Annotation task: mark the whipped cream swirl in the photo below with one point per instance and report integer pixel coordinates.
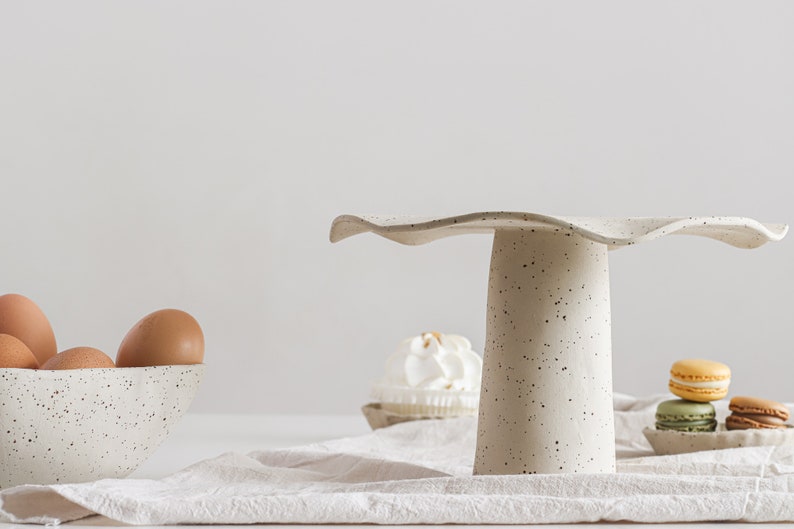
(435, 361)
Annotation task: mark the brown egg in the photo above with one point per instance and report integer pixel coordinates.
(79, 358)
(164, 337)
(14, 353)
(23, 319)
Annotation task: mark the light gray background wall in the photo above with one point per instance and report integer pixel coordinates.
(192, 154)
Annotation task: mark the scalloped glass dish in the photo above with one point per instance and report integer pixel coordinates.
(669, 442)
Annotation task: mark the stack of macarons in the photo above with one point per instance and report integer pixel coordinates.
(698, 382)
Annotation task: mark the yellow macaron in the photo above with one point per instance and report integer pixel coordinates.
(699, 380)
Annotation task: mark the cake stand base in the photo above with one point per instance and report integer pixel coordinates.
(546, 401)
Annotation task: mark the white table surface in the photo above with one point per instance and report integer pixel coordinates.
(202, 436)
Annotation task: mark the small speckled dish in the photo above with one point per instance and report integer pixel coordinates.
(669, 442)
(377, 417)
(86, 424)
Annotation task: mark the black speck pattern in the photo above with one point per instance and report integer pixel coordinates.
(86, 424)
(546, 400)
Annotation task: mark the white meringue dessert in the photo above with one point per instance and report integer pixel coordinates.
(431, 375)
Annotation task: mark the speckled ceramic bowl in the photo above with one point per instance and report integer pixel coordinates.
(87, 424)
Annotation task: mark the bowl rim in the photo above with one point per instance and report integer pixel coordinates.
(56, 373)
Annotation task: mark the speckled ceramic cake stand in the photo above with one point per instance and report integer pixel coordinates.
(546, 400)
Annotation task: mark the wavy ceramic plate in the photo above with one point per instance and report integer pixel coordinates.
(668, 442)
(615, 232)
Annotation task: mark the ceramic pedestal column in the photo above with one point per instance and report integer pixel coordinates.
(546, 401)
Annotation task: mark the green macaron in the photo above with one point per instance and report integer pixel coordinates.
(685, 416)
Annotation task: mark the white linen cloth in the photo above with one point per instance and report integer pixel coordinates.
(420, 473)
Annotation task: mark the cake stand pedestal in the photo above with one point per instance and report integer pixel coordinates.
(546, 400)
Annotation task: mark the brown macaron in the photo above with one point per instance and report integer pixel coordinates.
(752, 412)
